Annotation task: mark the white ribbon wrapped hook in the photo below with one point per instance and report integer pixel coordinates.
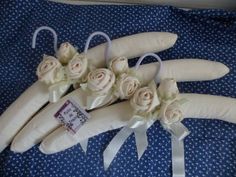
(45, 28)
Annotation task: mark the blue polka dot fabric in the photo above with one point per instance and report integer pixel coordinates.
(210, 149)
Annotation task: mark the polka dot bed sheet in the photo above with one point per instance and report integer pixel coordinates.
(210, 149)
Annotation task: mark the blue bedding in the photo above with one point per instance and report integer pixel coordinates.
(210, 149)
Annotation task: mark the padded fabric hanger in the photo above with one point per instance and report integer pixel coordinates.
(36, 96)
(46, 123)
(117, 115)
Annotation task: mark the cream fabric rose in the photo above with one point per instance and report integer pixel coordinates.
(100, 81)
(168, 89)
(49, 70)
(171, 113)
(126, 85)
(119, 65)
(65, 52)
(145, 99)
(77, 67)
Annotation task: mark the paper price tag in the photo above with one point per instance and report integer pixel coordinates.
(72, 116)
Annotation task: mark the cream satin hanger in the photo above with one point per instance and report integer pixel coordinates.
(46, 123)
(199, 103)
(198, 106)
(37, 95)
(119, 115)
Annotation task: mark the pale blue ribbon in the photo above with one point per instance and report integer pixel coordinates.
(178, 133)
(137, 125)
(84, 145)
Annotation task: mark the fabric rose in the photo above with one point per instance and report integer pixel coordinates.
(170, 110)
(119, 65)
(126, 86)
(145, 99)
(49, 70)
(77, 67)
(168, 89)
(171, 113)
(100, 81)
(66, 52)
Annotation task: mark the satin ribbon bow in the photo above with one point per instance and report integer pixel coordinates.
(57, 90)
(144, 101)
(98, 100)
(178, 132)
(95, 101)
(137, 125)
(170, 114)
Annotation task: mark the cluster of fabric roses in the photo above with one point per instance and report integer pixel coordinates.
(162, 103)
(106, 85)
(116, 81)
(67, 65)
(149, 104)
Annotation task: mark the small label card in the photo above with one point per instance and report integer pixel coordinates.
(72, 116)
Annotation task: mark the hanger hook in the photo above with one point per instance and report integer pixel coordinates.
(108, 48)
(45, 28)
(155, 56)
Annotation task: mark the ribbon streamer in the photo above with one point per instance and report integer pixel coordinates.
(114, 146)
(178, 130)
(84, 145)
(137, 125)
(178, 133)
(178, 163)
(141, 139)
